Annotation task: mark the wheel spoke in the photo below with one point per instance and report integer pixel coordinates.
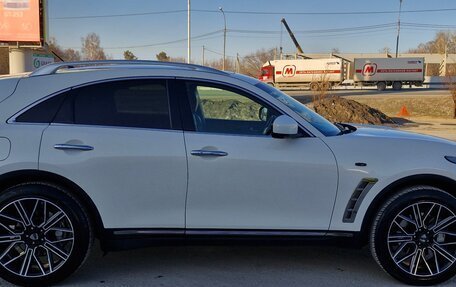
(400, 238)
(66, 230)
(54, 249)
(445, 223)
(61, 240)
(33, 211)
(7, 239)
(22, 213)
(399, 250)
(8, 249)
(444, 253)
(54, 220)
(27, 260)
(38, 263)
(14, 259)
(437, 266)
(401, 228)
(429, 212)
(415, 262)
(11, 218)
(417, 215)
(7, 228)
(426, 263)
(406, 257)
(407, 219)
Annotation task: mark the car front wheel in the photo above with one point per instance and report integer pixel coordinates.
(45, 234)
(413, 237)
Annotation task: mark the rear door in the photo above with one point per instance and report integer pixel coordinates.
(121, 142)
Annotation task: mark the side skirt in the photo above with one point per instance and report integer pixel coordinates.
(124, 239)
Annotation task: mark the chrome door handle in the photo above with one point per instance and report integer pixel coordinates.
(208, 153)
(73, 147)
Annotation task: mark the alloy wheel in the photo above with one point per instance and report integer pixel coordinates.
(36, 237)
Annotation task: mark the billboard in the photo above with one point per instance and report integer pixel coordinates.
(20, 21)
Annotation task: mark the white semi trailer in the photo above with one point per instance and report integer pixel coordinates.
(384, 72)
(325, 73)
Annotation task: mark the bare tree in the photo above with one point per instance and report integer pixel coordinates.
(385, 50)
(443, 41)
(66, 54)
(91, 48)
(252, 63)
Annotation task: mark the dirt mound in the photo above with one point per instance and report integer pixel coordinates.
(337, 109)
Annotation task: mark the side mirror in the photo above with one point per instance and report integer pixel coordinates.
(284, 126)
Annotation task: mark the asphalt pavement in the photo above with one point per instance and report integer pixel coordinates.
(218, 266)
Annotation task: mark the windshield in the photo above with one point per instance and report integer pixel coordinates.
(317, 121)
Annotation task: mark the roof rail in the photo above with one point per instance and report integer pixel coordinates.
(54, 67)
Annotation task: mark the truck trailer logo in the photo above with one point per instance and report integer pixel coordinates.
(369, 69)
(289, 71)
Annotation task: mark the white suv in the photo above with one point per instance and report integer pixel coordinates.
(140, 153)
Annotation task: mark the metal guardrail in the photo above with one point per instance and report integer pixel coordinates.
(55, 67)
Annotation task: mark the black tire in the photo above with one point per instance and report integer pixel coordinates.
(394, 238)
(397, 86)
(381, 86)
(72, 234)
(314, 86)
(325, 86)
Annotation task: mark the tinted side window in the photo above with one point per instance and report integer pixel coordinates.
(132, 103)
(43, 112)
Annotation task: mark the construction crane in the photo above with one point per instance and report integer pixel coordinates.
(293, 38)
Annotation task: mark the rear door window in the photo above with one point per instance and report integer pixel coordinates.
(129, 103)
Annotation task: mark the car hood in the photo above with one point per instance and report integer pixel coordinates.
(390, 133)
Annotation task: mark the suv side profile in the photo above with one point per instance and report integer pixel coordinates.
(136, 153)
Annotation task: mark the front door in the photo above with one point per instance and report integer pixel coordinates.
(240, 177)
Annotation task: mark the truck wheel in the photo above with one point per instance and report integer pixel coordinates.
(314, 86)
(325, 86)
(381, 86)
(397, 86)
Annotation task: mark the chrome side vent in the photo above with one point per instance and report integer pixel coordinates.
(357, 198)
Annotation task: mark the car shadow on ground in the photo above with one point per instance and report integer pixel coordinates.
(233, 266)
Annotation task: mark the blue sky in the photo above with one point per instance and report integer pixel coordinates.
(121, 33)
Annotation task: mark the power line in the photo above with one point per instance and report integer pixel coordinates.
(119, 15)
(252, 13)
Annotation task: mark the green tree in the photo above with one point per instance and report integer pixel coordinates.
(128, 55)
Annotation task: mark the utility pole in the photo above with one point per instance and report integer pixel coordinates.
(202, 59)
(224, 38)
(398, 27)
(189, 51)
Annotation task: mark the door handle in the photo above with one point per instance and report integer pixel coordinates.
(208, 153)
(73, 147)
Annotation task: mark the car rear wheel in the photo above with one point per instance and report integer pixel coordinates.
(413, 237)
(45, 234)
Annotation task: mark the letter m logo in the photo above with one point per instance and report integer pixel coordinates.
(369, 69)
(289, 71)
